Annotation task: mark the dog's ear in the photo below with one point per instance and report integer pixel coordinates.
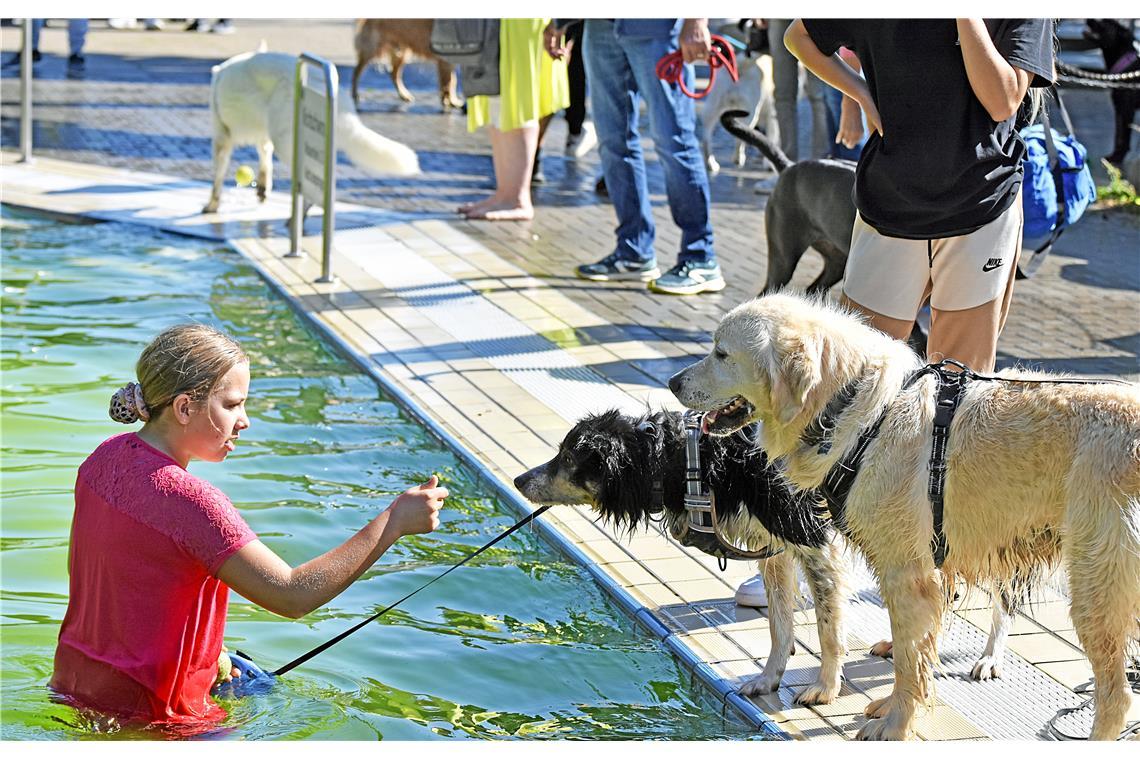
(797, 361)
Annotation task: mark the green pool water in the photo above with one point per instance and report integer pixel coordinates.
(521, 643)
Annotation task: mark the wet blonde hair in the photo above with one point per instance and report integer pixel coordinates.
(188, 358)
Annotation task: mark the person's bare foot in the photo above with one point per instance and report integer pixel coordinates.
(504, 211)
(478, 207)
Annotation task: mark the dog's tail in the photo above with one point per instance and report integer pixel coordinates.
(736, 122)
(370, 150)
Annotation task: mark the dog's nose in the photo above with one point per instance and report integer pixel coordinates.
(520, 481)
(675, 383)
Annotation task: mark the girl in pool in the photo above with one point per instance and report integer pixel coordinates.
(155, 550)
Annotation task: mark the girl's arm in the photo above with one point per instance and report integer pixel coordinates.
(833, 70)
(850, 130)
(999, 86)
(262, 577)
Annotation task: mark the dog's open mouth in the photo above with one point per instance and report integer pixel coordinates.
(729, 418)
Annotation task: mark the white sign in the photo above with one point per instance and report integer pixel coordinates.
(313, 126)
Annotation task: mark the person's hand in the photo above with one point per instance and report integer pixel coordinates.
(226, 670)
(850, 124)
(554, 41)
(696, 43)
(417, 509)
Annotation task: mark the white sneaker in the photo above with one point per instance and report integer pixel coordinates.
(752, 593)
(122, 23)
(582, 143)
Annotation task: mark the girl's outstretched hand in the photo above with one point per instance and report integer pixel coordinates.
(417, 509)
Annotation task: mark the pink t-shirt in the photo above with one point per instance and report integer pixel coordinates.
(145, 616)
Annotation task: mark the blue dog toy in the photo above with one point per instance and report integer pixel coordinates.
(253, 680)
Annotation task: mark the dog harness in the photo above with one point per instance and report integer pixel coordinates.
(671, 67)
(703, 527)
(837, 484)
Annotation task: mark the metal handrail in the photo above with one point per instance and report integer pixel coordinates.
(329, 221)
(26, 94)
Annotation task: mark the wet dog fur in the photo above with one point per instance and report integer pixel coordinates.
(1038, 475)
(610, 460)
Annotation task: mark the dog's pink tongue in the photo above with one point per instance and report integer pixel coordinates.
(708, 419)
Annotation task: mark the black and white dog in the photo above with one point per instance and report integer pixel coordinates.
(611, 461)
(1121, 56)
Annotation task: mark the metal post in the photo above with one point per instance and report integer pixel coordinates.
(26, 94)
(328, 226)
(330, 171)
(296, 201)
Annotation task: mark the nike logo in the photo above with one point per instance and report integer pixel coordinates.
(991, 265)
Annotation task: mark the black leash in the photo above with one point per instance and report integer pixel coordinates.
(314, 652)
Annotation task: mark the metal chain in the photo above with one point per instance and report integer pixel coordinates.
(1072, 75)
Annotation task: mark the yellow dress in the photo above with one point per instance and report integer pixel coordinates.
(531, 83)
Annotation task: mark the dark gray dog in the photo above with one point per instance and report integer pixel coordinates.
(811, 205)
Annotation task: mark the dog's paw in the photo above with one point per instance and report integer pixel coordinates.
(761, 684)
(819, 693)
(210, 207)
(883, 649)
(713, 166)
(985, 668)
(262, 192)
(877, 708)
(881, 729)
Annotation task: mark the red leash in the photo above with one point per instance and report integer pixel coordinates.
(671, 67)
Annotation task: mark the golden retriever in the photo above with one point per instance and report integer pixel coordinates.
(400, 40)
(1038, 474)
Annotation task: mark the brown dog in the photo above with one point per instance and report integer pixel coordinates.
(400, 40)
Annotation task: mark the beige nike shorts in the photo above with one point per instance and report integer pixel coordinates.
(892, 276)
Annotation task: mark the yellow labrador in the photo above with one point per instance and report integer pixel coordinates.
(1038, 474)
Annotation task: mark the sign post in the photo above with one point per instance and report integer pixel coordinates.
(314, 156)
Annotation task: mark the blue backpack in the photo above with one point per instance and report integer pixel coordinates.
(1057, 187)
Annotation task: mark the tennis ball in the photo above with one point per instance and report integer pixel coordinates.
(244, 175)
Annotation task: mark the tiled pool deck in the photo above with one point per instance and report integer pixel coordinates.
(500, 360)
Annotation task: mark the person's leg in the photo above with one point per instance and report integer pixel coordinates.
(968, 269)
(672, 119)
(511, 201)
(614, 101)
(786, 84)
(76, 35)
(814, 89)
(576, 71)
(887, 279)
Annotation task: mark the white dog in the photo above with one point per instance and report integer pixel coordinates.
(251, 103)
(1038, 472)
(752, 93)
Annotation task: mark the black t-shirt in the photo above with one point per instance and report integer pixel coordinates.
(944, 167)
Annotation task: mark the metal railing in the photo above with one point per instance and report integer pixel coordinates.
(26, 94)
(329, 197)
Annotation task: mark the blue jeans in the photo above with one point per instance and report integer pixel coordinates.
(621, 71)
(76, 34)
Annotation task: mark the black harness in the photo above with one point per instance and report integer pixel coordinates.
(703, 528)
(837, 484)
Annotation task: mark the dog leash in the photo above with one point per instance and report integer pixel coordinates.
(671, 67)
(341, 636)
